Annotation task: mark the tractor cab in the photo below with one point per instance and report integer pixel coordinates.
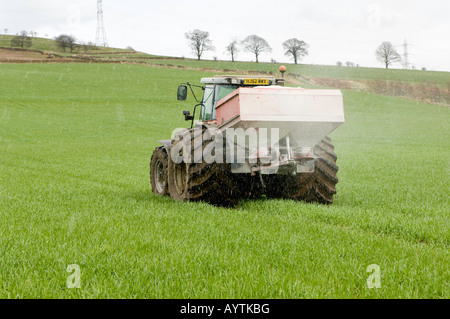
(218, 87)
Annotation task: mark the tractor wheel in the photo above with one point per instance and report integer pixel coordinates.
(210, 183)
(318, 187)
(158, 172)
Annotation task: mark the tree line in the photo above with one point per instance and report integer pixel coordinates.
(199, 42)
(385, 54)
(65, 42)
(23, 40)
(68, 42)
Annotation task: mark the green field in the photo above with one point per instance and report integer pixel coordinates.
(439, 79)
(75, 144)
(360, 73)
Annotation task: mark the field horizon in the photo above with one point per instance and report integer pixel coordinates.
(418, 85)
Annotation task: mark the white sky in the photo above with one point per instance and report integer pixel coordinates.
(335, 30)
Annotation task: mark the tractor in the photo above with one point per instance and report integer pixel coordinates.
(250, 137)
(49, 55)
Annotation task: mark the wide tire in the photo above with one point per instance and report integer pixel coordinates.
(159, 172)
(202, 182)
(318, 187)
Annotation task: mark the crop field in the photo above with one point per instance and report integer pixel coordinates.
(440, 78)
(75, 146)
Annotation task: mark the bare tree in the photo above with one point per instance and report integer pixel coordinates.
(350, 64)
(87, 46)
(339, 63)
(387, 54)
(295, 48)
(22, 40)
(233, 48)
(256, 45)
(6, 31)
(65, 41)
(199, 42)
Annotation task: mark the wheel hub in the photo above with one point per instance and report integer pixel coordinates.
(160, 178)
(180, 178)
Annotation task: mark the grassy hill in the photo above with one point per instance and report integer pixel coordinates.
(321, 71)
(423, 86)
(441, 79)
(75, 145)
(43, 44)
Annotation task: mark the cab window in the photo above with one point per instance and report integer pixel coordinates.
(220, 92)
(212, 95)
(208, 99)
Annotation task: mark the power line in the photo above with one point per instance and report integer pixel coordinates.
(100, 39)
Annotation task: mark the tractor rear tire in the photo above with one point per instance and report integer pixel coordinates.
(158, 172)
(318, 187)
(202, 182)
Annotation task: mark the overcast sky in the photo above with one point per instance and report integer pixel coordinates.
(335, 30)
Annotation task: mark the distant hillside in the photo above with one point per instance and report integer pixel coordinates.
(43, 44)
(427, 86)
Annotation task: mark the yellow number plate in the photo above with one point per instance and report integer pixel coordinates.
(256, 82)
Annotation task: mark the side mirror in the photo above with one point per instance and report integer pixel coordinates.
(187, 116)
(182, 93)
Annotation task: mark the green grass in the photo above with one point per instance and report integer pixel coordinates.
(441, 79)
(321, 71)
(75, 142)
(44, 44)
